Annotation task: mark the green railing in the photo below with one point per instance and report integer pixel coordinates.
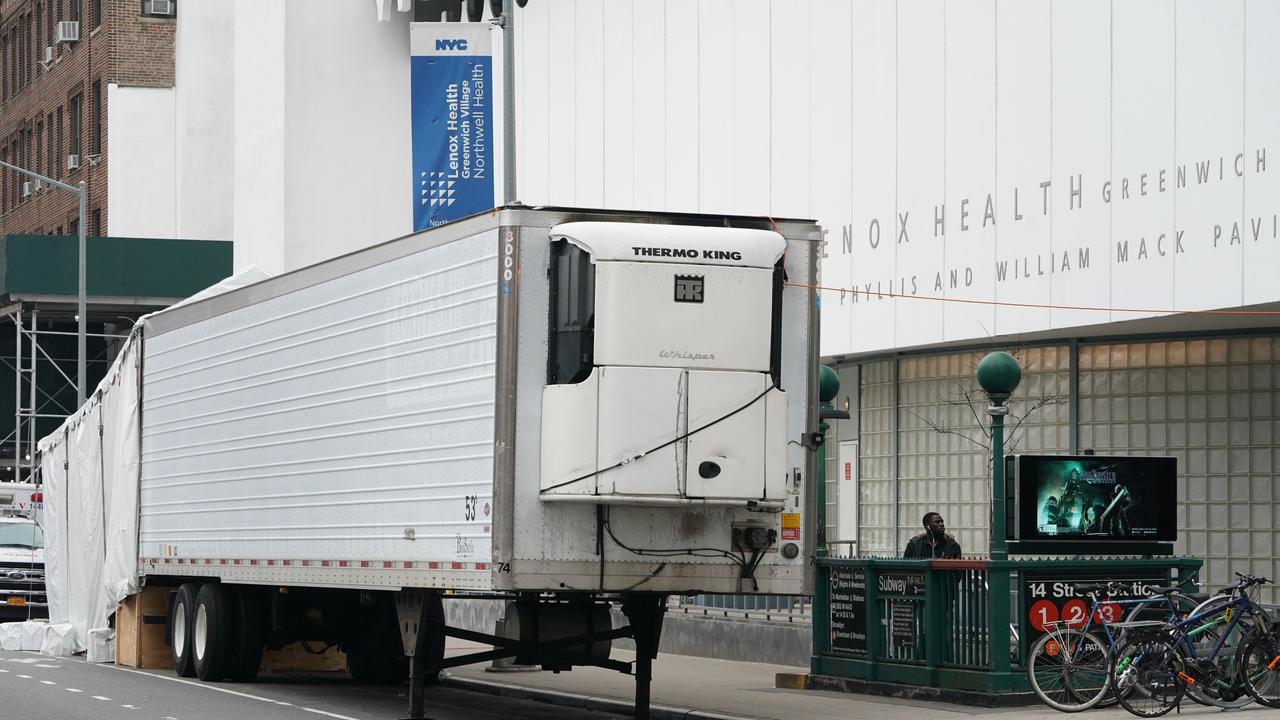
(955, 624)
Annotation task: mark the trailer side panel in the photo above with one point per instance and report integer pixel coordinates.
(341, 432)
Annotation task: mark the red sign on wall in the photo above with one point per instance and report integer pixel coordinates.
(848, 471)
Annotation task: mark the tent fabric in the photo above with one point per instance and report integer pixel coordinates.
(89, 469)
(248, 276)
(58, 640)
(31, 635)
(84, 522)
(10, 636)
(102, 646)
(121, 454)
(40, 636)
(54, 464)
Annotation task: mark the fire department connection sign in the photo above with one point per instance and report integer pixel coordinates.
(452, 106)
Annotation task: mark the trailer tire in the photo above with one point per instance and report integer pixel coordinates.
(361, 665)
(211, 632)
(181, 612)
(248, 634)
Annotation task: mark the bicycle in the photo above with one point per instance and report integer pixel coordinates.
(1068, 668)
(1148, 683)
(1147, 673)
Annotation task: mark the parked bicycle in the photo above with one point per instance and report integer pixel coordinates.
(1068, 667)
(1226, 651)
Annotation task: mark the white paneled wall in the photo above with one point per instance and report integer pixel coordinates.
(994, 131)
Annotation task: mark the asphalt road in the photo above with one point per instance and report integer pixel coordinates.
(33, 687)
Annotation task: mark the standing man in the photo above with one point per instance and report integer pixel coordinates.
(934, 542)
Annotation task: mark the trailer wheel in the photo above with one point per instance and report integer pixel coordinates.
(360, 663)
(211, 632)
(179, 630)
(248, 634)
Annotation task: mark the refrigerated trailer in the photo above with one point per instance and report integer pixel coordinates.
(555, 408)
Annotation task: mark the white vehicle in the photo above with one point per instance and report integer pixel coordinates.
(555, 408)
(22, 594)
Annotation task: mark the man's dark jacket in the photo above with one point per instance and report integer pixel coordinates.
(919, 547)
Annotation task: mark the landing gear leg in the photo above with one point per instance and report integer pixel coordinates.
(645, 614)
(421, 620)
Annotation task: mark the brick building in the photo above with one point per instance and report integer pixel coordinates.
(61, 63)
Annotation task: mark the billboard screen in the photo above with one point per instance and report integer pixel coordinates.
(1090, 497)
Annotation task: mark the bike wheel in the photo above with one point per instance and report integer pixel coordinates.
(1158, 609)
(1258, 662)
(1224, 688)
(1147, 675)
(1067, 669)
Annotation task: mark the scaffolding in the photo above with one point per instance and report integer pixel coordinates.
(34, 400)
(39, 294)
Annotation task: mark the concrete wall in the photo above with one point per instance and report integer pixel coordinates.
(258, 225)
(348, 178)
(724, 638)
(205, 116)
(141, 141)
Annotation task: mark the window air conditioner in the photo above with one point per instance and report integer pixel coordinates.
(73, 162)
(67, 31)
(48, 54)
(26, 188)
(159, 7)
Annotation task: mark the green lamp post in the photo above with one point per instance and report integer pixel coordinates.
(998, 375)
(828, 388)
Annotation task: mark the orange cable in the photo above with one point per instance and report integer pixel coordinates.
(1047, 306)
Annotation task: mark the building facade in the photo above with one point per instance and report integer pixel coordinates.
(81, 80)
(1093, 185)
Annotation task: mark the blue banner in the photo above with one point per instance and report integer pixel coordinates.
(452, 120)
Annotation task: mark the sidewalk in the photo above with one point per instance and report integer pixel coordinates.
(722, 689)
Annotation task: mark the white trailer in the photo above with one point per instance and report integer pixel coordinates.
(554, 407)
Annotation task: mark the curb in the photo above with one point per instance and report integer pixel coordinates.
(586, 702)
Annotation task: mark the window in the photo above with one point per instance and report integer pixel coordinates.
(28, 159)
(59, 157)
(73, 10)
(28, 32)
(38, 158)
(74, 118)
(95, 222)
(97, 12)
(73, 228)
(4, 183)
(49, 157)
(96, 97)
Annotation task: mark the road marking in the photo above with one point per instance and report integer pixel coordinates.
(44, 666)
(4, 671)
(48, 682)
(74, 690)
(99, 697)
(247, 696)
(130, 707)
(25, 677)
